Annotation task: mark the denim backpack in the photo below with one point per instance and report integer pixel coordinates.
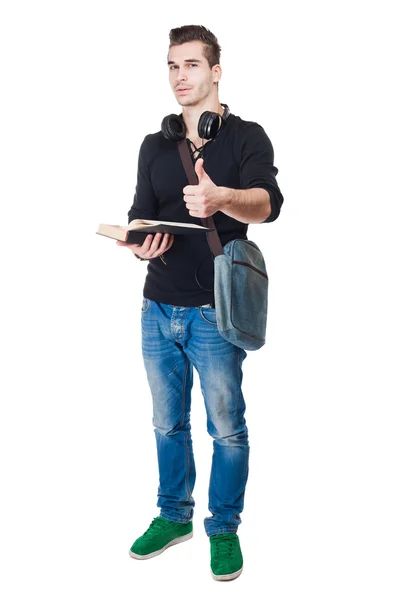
(240, 280)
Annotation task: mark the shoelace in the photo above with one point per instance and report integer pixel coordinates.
(156, 525)
(224, 546)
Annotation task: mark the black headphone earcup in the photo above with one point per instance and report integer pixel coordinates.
(173, 128)
(208, 125)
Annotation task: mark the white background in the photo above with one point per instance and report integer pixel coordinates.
(82, 84)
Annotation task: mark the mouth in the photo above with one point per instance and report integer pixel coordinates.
(183, 90)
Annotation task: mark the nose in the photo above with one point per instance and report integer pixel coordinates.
(181, 76)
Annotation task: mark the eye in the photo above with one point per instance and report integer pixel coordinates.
(172, 67)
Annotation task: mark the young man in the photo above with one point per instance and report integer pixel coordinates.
(237, 186)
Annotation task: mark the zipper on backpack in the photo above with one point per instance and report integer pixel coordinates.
(245, 264)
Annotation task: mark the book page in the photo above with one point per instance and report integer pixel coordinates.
(136, 223)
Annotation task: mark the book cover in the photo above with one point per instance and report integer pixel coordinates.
(137, 230)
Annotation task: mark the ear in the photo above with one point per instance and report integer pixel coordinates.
(217, 72)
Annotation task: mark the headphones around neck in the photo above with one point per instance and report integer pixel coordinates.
(174, 128)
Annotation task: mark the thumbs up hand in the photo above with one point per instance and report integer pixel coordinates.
(204, 199)
(200, 171)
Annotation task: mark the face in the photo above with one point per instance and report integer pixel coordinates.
(189, 69)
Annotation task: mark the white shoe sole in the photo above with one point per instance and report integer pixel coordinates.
(227, 577)
(178, 540)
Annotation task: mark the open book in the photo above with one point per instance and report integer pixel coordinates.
(137, 230)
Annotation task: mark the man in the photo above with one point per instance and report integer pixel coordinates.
(237, 186)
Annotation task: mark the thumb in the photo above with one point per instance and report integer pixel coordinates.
(199, 169)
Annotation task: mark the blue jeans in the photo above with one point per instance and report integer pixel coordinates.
(174, 340)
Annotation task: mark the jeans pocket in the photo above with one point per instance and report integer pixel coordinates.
(146, 303)
(208, 315)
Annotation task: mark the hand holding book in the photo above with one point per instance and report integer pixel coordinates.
(147, 238)
(152, 247)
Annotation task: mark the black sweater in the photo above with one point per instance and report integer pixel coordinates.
(240, 157)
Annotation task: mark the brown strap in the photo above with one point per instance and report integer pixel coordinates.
(212, 236)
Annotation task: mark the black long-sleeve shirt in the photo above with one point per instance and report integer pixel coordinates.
(240, 157)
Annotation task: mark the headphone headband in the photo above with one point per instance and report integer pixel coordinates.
(226, 112)
(224, 116)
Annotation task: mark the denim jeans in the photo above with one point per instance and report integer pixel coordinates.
(174, 340)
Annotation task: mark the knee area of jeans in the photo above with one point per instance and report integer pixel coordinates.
(164, 429)
(229, 437)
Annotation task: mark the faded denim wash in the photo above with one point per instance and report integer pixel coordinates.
(174, 340)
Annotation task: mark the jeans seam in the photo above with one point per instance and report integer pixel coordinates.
(205, 319)
(183, 425)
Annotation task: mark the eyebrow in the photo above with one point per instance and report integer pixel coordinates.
(188, 60)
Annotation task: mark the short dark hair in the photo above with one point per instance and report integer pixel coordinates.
(197, 33)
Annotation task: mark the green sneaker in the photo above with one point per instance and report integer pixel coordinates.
(226, 560)
(159, 536)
